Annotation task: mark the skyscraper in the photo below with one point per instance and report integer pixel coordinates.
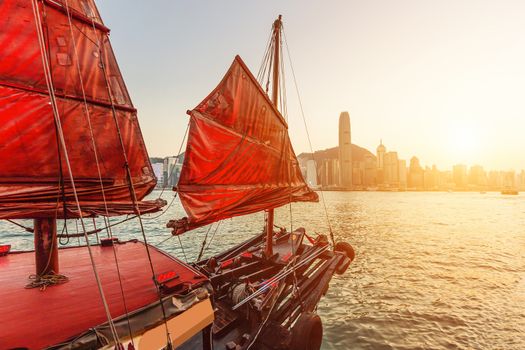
(391, 169)
(415, 174)
(381, 150)
(345, 151)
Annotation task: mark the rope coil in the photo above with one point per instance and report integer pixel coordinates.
(44, 281)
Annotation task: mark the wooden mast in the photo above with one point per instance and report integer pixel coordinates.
(46, 246)
(275, 99)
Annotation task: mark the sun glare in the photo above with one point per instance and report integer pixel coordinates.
(464, 142)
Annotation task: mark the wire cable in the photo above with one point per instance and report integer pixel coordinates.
(308, 137)
(54, 105)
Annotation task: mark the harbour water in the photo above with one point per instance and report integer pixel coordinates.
(432, 271)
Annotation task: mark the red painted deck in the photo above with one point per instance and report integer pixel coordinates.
(34, 319)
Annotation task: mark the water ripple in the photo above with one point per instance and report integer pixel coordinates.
(432, 270)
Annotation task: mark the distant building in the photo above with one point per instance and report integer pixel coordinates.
(415, 175)
(429, 182)
(370, 175)
(334, 169)
(329, 173)
(158, 170)
(311, 173)
(172, 169)
(509, 179)
(403, 177)
(521, 181)
(477, 177)
(459, 173)
(345, 151)
(391, 170)
(381, 151)
(436, 178)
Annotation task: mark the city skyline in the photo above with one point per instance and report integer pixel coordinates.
(451, 89)
(350, 167)
(383, 170)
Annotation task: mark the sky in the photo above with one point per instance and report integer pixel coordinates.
(440, 80)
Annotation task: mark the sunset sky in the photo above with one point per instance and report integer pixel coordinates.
(442, 80)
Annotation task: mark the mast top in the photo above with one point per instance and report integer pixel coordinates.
(276, 51)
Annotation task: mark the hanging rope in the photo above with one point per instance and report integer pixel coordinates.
(204, 243)
(263, 66)
(169, 176)
(213, 235)
(28, 229)
(62, 235)
(99, 172)
(131, 185)
(182, 247)
(96, 230)
(172, 169)
(54, 105)
(204, 246)
(165, 240)
(308, 137)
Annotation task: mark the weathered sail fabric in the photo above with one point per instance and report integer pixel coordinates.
(34, 180)
(239, 159)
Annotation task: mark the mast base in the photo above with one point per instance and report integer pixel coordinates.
(46, 247)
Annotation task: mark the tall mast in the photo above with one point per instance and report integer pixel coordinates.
(275, 99)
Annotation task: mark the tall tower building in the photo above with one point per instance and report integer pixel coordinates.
(381, 151)
(345, 151)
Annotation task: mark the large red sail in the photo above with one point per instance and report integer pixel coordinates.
(239, 159)
(34, 178)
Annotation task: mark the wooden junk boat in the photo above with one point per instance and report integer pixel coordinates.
(72, 150)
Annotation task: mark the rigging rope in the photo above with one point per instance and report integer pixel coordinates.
(28, 229)
(204, 246)
(132, 186)
(169, 176)
(263, 66)
(308, 137)
(54, 105)
(106, 219)
(213, 235)
(165, 240)
(176, 162)
(182, 247)
(204, 243)
(98, 229)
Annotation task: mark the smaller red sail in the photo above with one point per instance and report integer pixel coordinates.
(239, 159)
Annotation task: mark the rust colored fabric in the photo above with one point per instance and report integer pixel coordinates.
(34, 180)
(239, 159)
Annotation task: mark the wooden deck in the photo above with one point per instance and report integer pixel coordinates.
(35, 319)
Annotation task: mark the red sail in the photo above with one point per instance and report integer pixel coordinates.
(239, 159)
(34, 178)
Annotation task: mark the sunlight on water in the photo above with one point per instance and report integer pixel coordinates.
(433, 270)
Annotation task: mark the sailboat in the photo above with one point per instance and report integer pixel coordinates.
(72, 150)
(239, 160)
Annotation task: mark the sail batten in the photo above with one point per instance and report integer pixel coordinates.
(93, 106)
(239, 159)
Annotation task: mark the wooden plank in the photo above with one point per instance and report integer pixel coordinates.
(75, 306)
